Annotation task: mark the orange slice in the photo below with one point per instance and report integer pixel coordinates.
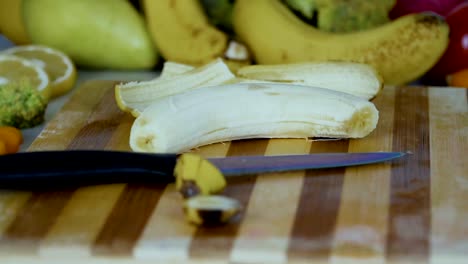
(16, 69)
(59, 67)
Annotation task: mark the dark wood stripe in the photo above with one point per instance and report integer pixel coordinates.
(317, 212)
(217, 242)
(410, 206)
(127, 220)
(34, 220)
(101, 124)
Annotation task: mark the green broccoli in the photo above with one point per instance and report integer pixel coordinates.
(21, 105)
(346, 15)
(343, 15)
(304, 7)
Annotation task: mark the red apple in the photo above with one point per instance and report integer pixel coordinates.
(441, 7)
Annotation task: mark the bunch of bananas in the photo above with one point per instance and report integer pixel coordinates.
(252, 31)
(401, 50)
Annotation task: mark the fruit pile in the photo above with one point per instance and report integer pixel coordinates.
(398, 38)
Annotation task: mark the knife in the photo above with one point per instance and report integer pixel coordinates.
(39, 169)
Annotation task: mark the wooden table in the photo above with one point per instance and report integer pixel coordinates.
(411, 210)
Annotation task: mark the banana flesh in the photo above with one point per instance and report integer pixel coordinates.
(401, 50)
(207, 115)
(339, 76)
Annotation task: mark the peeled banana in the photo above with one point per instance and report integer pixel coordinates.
(401, 50)
(219, 113)
(354, 78)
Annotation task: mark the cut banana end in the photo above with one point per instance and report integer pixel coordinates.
(211, 210)
(197, 176)
(134, 97)
(354, 78)
(249, 110)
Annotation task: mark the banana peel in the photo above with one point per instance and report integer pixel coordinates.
(11, 22)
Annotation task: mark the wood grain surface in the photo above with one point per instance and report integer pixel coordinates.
(412, 210)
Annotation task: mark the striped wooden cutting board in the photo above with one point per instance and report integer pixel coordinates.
(411, 210)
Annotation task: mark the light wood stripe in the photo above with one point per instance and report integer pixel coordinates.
(264, 234)
(216, 242)
(167, 235)
(314, 225)
(80, 221)
(33, 221)
(409, 217)
(449, 175)
(362, 220)
(63, 128)
(11, 203)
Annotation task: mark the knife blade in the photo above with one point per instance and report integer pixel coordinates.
(39, 169)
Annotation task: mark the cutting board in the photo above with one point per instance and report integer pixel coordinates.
(411, 210)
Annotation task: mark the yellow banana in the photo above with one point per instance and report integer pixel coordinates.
(401, 50)
(182, 33)
(11, 22)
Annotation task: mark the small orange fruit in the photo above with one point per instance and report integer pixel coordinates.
(458, 79)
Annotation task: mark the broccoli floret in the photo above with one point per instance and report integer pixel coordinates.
(355, 15)
(304, 7)
(343, 15)
(21, 105)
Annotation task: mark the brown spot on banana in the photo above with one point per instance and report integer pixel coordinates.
(172, 4)
(196, 32)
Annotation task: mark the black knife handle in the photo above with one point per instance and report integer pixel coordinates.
(42, 169)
